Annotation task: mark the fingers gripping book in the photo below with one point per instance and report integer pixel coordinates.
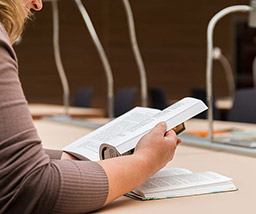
(121, 135)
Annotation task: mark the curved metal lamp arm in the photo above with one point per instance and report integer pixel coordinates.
(102, 55)
(218, 55)
(210, 29)
(254, 72)
(63, 78)
(136, 51)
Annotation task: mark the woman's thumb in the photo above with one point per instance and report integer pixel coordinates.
(160, 128)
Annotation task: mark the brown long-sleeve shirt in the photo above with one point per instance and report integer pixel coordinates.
(30, 181)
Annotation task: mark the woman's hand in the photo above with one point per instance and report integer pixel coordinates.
(157, 147)
(152, 152)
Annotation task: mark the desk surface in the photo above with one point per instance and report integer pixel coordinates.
(42, 110)
(240, 168)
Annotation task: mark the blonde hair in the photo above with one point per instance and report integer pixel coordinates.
(13, 15)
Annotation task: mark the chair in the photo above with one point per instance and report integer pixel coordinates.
(244, 106)
(158, 98)
(83, 97)
(125, 100)
(200, 93)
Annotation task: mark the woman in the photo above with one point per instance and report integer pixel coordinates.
(33, 180)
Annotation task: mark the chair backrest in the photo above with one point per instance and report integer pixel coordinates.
(125, 100)
(158, 98)
(244, 106)
(83, 97)
(200, 93)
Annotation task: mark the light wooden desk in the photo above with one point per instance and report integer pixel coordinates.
(42, 110)
(240, 168)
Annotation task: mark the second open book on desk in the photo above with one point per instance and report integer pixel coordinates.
(177, 182)
(121, 135)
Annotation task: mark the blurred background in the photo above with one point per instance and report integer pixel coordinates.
(172, 40)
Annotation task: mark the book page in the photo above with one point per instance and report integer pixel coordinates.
(193, 190)
(88, 146)
(174, 182)
(173, 116)
(170, 172)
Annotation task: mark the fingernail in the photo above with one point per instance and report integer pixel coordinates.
(163, 124)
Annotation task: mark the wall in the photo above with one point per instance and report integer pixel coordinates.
(171, 36)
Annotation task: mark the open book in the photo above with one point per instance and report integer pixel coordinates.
(177, 182)
(120, 136)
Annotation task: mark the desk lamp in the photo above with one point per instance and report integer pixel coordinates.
(252, 22)
(60, 68)
(103, 57)
(100, 50)
(136, 51)
(56, 45)
(218, 55)
(209, 142)
(64, 118)
(254, 72)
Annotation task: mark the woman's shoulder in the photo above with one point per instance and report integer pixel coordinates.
(5, 42)
(3, 34)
